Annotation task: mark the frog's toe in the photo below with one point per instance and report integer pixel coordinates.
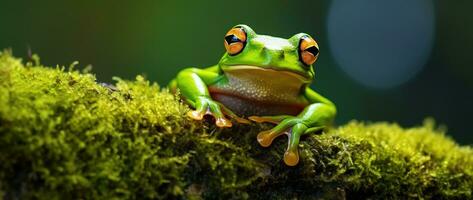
(197, 115)
(231, 115)
(265, 138)
(241, 120)
(291, 157)
(258, 119)
(270, 119)
(223, 122)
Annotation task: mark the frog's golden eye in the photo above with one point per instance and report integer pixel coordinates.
(308, 50)
(235, 40)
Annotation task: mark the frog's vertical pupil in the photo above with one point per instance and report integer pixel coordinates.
(231, 39)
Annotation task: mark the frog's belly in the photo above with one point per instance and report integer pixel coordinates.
(249, 107)
(255, 91)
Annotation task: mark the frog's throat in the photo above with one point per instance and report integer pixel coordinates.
(271, 70)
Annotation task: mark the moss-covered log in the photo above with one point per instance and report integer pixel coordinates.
(63, 136)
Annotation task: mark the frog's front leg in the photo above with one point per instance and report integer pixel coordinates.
(314, 117)
(192, 84)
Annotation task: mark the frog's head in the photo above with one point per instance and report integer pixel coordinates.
(247, 50)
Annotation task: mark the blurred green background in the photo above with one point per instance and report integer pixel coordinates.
(381, 60)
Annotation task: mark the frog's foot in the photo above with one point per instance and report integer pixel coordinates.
(206, 106)
(293, 127)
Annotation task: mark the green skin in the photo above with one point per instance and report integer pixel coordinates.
(268, 74)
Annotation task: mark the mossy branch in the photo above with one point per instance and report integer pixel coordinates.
(63, 136)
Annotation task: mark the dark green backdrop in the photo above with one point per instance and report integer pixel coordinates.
(158, 38)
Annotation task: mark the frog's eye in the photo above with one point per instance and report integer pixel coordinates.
(235, 40)
(308, 50)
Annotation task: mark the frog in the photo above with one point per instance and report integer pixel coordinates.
(260, 79)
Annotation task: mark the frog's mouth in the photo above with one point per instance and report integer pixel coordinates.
(274, 74)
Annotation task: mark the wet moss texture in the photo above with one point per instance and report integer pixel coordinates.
(64, 136)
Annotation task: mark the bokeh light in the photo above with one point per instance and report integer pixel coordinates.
(381, 43)
(364, 44)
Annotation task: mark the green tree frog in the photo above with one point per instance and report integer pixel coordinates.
(263, 79)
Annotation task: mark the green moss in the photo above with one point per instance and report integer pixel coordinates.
(63, 136)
